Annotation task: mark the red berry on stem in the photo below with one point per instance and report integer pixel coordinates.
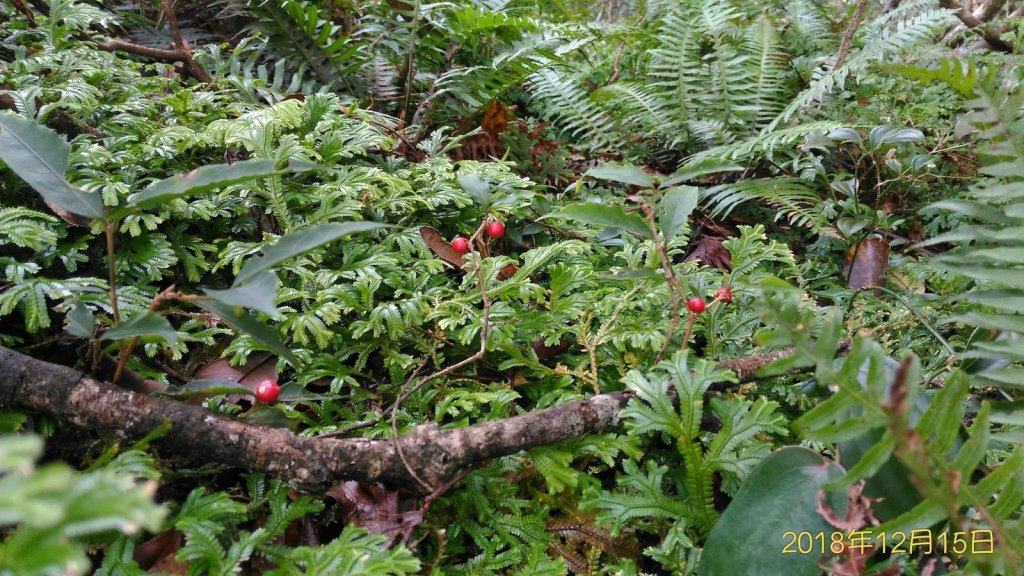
(461, 244)
(696, 305)
(495, 229)
(724, 294)
(267, 391)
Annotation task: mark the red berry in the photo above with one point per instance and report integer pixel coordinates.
(696, 305)
(267, 391)
(495, 229)
(724, 295)
(461, 244)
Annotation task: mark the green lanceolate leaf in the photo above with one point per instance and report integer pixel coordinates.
(40, 157)
(894, 135)
(695, 170)
(758, 532)
(621, 173)
(81, 321)
(476, 187)
(208, 178)
(604, 215)
(296, 243)
(208, 388)
(256, 294)
(144, 324)
(239, 319)
(675, 208)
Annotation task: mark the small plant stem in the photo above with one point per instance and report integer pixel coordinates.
(111, 277)
(408, 391)
(601, 334)
(675, 289)
(691, 319)
(125, 353)
(844, 44)
(945, 343)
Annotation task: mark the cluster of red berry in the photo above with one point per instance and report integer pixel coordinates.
(494, 229)
(697, 304)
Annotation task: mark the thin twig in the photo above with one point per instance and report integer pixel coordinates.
(166, 294)
(675, 289)
(484, 332)
(844, 44)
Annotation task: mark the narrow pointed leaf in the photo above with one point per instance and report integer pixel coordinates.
(675, 208)
(240, 320)
(144, 324)
(40, 157)
(296, 243)
(604, 215)
(208, 178)
(621, 173)
(81, 321)
(477, 188)
(257, 294)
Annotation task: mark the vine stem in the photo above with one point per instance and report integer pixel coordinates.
(167, 294)
(409, 391)
(675, 289)
(844, 44)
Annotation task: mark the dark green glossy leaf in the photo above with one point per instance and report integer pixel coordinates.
(779, 497)
(207, 178)
(207, 388)
(239, 319)
(621, 173)
(145, 324)
(296, 243)
(675, 208)
(256, 294)
(81, 321)
(894, 135)
(604, 215)
(40, 157)
(695, 170)
(476, 187)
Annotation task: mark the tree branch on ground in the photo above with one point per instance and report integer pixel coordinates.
(310, 464)
(971, 21)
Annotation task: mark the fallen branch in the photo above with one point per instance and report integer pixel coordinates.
(160, 54)
(309, 464)
(971, 21)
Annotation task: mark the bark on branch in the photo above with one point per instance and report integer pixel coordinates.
(309, 464)
(971, 21)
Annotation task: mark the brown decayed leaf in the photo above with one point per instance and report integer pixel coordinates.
(866, 263)
(377, 509)
(438, 245)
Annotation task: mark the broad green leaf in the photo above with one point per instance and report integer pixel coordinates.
(296, 243)
(19, 452)
(845, 135)
(202, 388)
(675, 208)
(239, 319)
(40, 157)
(756, 533)
(1010, 413)
(207, 388)
(604, 215)
(145, 324)
(256, 294)
(894, 135)
(477, 188)
(701, 168)
(621, 173)
(81, 321)
(207, 178)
